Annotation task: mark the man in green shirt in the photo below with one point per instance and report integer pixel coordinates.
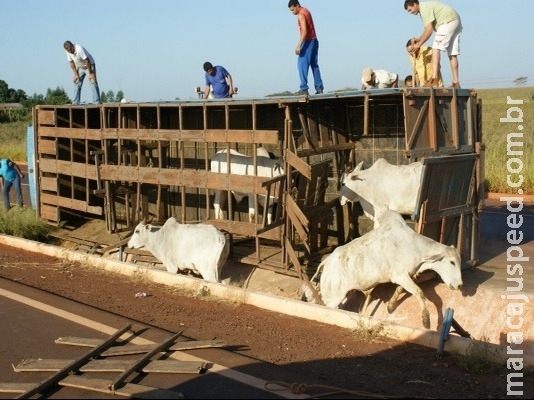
(445, 21)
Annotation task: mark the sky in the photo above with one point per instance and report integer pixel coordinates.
(154, 50)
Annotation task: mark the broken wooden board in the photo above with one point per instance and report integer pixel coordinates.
(160, 366)
(15, 387)
(137, 349)
(126, 390)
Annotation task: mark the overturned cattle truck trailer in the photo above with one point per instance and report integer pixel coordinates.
(122, 162)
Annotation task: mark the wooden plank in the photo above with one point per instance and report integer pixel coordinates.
(46, 117)
(160, 366)
(70, 133)
(127, 390)
(49, 212)
(54, 378)
(72, 204)
(137, 349)
(79, 170)
(15, 387)
(119, 381)
(48, 184)
(192, 135)
(47, 146)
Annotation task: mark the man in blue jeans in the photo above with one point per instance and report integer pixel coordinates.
(307, 49)
(82, 63)
(11, 176)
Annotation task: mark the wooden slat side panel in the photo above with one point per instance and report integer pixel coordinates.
(47, 146)
(49, 212)
(46, 117)
(48, 184)
(71, 204)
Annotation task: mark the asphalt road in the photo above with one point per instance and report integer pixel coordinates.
(33, 320)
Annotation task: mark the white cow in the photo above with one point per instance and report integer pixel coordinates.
(200, 248)
(241, 164)
(383, 187)
(393, 252)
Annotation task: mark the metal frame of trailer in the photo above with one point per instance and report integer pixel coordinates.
(122, 162)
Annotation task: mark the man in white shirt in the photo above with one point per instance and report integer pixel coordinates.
(82, 63)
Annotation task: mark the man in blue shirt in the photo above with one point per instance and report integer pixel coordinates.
(218, 82)
(11, 176)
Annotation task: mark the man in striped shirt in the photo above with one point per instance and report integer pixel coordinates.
(445, 21)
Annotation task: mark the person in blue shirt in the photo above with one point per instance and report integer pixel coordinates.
(11, 176)
(218, 82)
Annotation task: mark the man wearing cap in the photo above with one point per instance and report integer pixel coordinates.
(379, 79)
(421, 61)
(218, 81)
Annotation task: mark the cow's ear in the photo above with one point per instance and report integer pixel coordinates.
(435, 257)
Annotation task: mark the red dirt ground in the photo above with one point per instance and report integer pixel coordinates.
(332, 356)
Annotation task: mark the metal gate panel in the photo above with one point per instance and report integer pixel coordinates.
(446, 210)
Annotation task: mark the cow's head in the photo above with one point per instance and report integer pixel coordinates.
(347, 193)
(448, 264)
(140, 235)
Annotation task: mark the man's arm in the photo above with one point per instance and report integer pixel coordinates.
(231, 84)
(75, 71)
(427, 32)
(17, 168)
(303, 32)
(207, 90)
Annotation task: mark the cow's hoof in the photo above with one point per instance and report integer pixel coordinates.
(392, 307)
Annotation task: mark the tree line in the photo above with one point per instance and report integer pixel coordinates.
(56, 96)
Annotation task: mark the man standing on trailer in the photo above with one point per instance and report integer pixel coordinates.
(82, 63)
(307, 49)
(445, 21)
(218, 81)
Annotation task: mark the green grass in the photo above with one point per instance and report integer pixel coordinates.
(13, 140)
(23, 222)
(494, 138)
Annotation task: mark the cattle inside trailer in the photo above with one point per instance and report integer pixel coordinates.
(121, 162)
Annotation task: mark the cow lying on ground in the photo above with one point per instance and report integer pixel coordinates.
(382, 187)
(393, 252)
(241, 164)
(200, 248)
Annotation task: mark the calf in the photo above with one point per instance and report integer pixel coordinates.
(241, 164)
(383, 187)
(200, 248)
(393, 252)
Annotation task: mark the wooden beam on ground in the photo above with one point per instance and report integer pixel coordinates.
(113, 365)
(138, 348)
(141, 362)
(55, 378)
(127, 390)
